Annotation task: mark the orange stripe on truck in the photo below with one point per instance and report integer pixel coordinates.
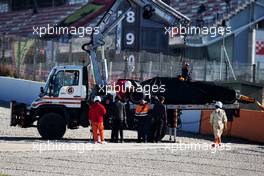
(42, 103)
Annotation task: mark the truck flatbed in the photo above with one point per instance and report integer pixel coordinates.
(196, 107)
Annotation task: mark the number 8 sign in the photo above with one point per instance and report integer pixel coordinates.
(130, 17)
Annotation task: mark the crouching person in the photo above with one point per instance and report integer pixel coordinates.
(96, 113)
(218, 121)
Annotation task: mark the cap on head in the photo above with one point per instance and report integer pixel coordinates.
(97, 98)
(128, 84)
(219, 104)
(161, 98)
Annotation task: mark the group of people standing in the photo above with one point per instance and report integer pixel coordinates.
(144, 118)
(96, 115)
(158, 115)
(149, 124)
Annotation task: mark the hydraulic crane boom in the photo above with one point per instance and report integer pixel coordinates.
(152, 9)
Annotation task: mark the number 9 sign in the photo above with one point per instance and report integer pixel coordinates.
(130, 38)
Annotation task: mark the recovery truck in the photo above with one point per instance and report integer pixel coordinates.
(63, 102)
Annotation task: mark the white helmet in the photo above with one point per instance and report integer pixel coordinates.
(219, 104)
(97, 98)
(128, 84)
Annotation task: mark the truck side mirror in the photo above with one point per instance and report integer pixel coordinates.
(41, 90)
(41, 94)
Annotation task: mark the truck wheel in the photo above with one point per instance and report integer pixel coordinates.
(51, 126)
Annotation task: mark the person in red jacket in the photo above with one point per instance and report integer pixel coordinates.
(96, 113)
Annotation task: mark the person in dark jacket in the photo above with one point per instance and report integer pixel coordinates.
(108, 104)
(160, 117)
(119, 120)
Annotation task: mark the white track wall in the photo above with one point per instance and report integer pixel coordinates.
(20, 90)
(191, 120)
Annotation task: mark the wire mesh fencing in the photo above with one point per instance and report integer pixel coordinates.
(33, 59)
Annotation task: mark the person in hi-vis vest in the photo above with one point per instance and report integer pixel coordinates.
(143, 118)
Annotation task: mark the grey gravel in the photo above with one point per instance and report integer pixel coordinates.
(20, 154)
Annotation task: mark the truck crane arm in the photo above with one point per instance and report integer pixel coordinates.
(152, 9)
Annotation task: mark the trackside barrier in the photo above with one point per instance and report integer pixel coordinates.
(248, 126)
(20, 90)
(191, 120)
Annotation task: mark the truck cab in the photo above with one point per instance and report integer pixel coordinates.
(66, 85)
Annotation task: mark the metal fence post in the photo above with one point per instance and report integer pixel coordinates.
(254, 73)
(3, 48)
(18, 58)
(258, 72)
(205, 68)
(160, 64)
(141, 66)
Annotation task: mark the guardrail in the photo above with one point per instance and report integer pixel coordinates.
(20, 90)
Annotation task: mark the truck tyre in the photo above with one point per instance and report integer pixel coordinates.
(51, 126)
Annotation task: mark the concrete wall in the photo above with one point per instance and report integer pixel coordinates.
(20, 90)
(191, 120)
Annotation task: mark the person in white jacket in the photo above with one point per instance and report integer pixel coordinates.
(218, 121)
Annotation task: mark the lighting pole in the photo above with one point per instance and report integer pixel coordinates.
(225, 56)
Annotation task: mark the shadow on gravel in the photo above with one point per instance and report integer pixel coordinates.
(29, 139)
(4, 104)
(75, 140)
(83, 140)
(33, 139)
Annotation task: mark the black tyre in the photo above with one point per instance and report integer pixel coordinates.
(51, 126)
